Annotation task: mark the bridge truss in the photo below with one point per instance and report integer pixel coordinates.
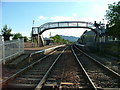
(67, 24)
(37, 31)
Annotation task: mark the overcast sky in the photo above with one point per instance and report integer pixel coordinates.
(19, 15)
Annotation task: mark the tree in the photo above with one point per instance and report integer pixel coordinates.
(25, 39)
(17, 35)
(58, 39)
(6, 33)
(113, 17)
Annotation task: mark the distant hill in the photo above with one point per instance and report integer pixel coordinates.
(70, 38)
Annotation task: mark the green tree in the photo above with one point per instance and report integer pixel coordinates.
(58, 39)
(113, 17)
(17, 35)
(25, 39)
(6, 32)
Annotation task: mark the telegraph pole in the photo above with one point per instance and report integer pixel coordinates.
(33, 22)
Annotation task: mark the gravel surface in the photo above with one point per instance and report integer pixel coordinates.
(109, 61)
(38, 70)
(67, 73)
(99, 76)
(32, 76)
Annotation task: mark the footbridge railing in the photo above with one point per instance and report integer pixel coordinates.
(37, 31)
(66, 24)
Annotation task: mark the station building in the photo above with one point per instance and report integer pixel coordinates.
(48, 41)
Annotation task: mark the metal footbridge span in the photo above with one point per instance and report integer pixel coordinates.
(37, 31)
(65, 24)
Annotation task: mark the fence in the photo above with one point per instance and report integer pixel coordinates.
(11, 49)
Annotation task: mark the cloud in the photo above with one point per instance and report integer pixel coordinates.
(74, 14)
(41, 18)
(73, 17)
(62, 18)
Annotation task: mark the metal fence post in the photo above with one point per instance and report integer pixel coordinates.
(23, 45)
(19, 45)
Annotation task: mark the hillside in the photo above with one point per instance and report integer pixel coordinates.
(70, 38)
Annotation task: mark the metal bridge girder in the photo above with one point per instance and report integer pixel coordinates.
(66, 24)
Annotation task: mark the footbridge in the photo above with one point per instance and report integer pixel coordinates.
(37, 31)
(66, 24)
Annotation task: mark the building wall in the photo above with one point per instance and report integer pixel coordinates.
(48, 41)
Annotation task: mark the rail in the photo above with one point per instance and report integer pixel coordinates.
(45, 76)
(26, 68)
(5, 82)
(110, 70)
(92, 84)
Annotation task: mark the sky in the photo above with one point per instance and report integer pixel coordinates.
(19, 15)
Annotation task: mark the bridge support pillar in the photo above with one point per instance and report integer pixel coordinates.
(40, 41)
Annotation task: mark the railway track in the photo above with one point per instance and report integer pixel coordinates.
(66, 68)
(60, 70)
(30, 76)
(102, 76)
(67, 74)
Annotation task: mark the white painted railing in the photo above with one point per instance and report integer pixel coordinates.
(11, 49)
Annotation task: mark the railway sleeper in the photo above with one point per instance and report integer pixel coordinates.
(31, 76)
(33, 79)
(20, 86)
(25, 81)
(38, 70)
(74, 86)
(35, 73)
